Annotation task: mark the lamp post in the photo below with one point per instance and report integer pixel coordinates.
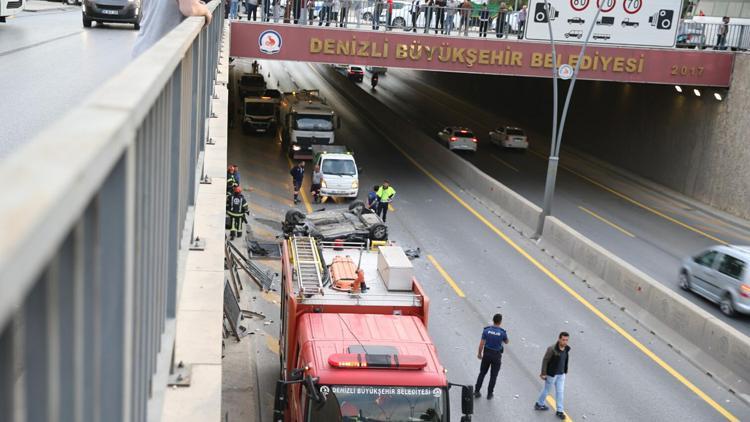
(554, 155)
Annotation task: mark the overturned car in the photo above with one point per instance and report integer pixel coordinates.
(356, 224)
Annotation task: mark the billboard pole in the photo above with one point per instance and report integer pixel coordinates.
(554, 157)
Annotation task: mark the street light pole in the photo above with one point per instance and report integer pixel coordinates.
(554, 157)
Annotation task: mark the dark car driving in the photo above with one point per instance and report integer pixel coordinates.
(115, 11)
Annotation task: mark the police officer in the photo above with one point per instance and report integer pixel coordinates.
(298, 173)
(490, 353)
(237, 208)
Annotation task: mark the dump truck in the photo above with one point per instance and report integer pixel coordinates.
(354, 344)
(261, 112)
(306, 120)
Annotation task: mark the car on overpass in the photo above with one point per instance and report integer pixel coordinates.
(112, 11)
(353, 224)
(721, 274)
(398, 15)
(458, 138)
(509, 137)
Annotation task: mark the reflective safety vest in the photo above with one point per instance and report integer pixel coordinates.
(237, 205)
(386, 195)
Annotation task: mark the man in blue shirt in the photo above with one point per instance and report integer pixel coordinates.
(490, 353)
(298, 173)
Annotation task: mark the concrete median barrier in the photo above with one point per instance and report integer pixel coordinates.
(519, 212)
(708, 342)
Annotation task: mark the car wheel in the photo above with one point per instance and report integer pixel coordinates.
(684, 281)
(378, 232)
(726, 306)
(399, 22)
(357, 207)
(367, 16)
(86, 22)
(294, 217)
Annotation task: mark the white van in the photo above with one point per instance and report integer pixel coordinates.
(340, 173)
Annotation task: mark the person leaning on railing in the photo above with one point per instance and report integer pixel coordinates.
(160, 17)
(465, 17)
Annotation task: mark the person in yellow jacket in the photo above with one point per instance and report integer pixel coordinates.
(385, 195)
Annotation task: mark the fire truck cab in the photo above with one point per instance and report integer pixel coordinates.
(354, 342)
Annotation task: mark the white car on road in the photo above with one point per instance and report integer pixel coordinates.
(509, 137)
(458, 138)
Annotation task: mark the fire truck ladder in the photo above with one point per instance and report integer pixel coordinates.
(308, 265)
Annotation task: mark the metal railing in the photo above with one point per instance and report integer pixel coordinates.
(362, 14)
(94, 242)
(691, 34)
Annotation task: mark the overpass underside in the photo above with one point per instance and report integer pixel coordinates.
(462, 54)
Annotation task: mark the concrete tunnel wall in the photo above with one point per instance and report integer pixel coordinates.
(697, 146)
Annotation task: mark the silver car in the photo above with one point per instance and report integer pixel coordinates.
(720, 274)
(458, 138)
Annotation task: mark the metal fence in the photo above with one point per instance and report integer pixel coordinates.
(97, 216)
(715, 36)
(400, 16)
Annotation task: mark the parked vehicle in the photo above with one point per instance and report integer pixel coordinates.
(458, 138)
(260, 114)
(509, 137)
(9, 8)
(306, 120)
(398, 16)
(114, 11)
(339, 169)
(721, 274)
(354, 344)
(353, 224)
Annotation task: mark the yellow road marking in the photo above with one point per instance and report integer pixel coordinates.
(447, 277)
(390, 208)
(605, 221)
(503, 162)
(646, 351)
(272, 196)
(302, 193)
(553, 406)
(636, 203)
(272, 343)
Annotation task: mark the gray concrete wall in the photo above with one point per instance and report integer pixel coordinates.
(697, 146)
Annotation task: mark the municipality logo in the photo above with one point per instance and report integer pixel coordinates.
(269, 42)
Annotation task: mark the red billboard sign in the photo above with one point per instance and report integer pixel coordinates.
(473, 55)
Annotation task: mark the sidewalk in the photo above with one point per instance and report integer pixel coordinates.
(43, 6)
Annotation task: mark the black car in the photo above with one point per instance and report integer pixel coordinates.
(116, 11)
(577, 20)
(355, 73)
(356, 224)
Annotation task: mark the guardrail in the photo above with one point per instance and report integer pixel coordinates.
(691, 34)
(92, 252)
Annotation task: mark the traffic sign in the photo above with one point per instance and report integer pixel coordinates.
(650, 23)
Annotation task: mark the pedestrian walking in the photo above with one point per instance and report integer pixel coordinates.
(372, 199)
(500, 24)
(440, 15)
(429, 7)
(298, 173)
(317, 182)
(450, 15)
(237, 208)
(414, 11)
(465, 17)
(491, 347)
(522, 21)
(385, 195)
(554, 368)
(484, 20)
(721, 38)
(344, 13)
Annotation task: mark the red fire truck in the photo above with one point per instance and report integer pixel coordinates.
(354, 342)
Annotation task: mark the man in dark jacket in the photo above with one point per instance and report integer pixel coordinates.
(298, 173)
(494, 339)
(237, 208)
(554, 368)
